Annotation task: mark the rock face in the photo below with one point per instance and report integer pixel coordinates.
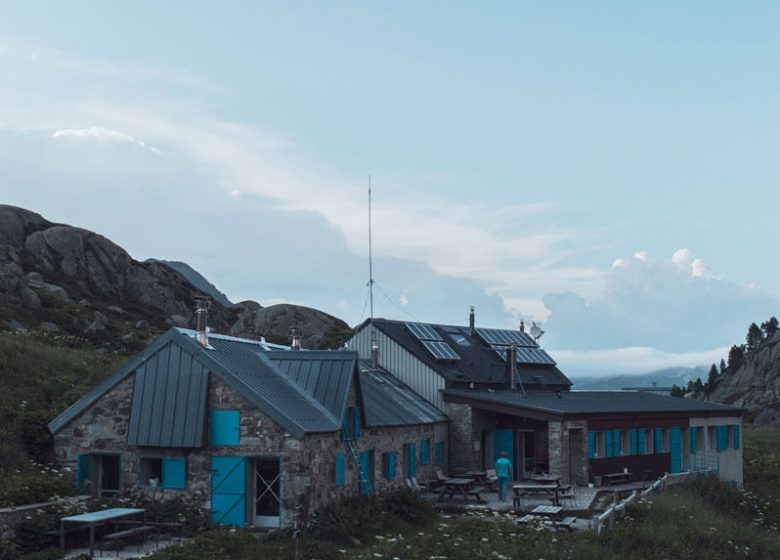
(80, 283)
(755, 386)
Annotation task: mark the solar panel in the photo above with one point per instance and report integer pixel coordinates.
(501, 350)
(423, 331)
(534, 356)
(440, 350)
(506, 337)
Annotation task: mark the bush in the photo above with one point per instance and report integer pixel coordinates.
(409, 506)
(347, 518)
(9, 550)
(38, 484)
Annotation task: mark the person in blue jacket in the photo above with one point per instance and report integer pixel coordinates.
(503, 472)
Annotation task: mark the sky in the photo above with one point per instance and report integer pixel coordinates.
(607, 169)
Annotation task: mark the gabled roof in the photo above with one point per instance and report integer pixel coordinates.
(388, 402)
(589, 402)
(273, 387)
(477, 362)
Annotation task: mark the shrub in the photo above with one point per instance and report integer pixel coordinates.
(9, 550)
(38, 484)
(409, 506)
(347, 518)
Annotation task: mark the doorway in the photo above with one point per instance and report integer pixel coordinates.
(267, 493)
(525, 453)
(100, 474)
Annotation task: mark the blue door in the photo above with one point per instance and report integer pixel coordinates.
(228, 490)
(675, 446)
(503, 440)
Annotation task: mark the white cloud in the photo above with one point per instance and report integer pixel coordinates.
(101, 134)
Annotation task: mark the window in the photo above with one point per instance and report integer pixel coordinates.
(649, 442)
(438, 452)
(339, 469)
(224, 427)
(350, 428)
(161, 472)
(424, 451)
(721, 437)
(601, 444)
(388, 465)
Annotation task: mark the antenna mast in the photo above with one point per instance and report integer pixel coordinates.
(374, 343)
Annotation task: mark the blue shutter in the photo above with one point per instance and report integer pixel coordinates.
(693, 437)
(675, 449)
(339, 469)
(438, 451)
(735, 427)
(224, 427)
(345, 425)
(608, 444)
(411, 460)
(356, 420)
(642, 445)
(617, 443)
(722, 437)
(84, 472)
(424, 444)
(174, 475)
(659, 440)
(633, 441)
(591, 445)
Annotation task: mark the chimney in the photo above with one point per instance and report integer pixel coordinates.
(202, 305)
(374, 354)
(471, 322)
(295, 339)
(522, 326)
(513, 367)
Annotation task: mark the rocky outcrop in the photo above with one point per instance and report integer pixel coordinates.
(69, 280)
(755, 386)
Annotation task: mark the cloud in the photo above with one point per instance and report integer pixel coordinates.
(101, 134)
(674, 305)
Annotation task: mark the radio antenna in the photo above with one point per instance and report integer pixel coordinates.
(374, 342)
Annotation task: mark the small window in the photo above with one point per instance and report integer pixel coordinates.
(601, 444)
(388, 465)
(168, 472)
(649, 442)
(350, 428)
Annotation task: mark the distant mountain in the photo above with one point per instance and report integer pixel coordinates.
(66, 280)
(196, 279)
(662, 378)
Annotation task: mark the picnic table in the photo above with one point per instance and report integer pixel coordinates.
(553, 513)
(521, 490)
(545, 478)
(96, 518)
(462, 486)
(614, 478)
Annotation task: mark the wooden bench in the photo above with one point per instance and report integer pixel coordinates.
(567, 523)
(119, 536)
(614, 478)
(526, 519)
(476, 492)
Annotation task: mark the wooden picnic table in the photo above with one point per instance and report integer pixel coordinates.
(95, 518)
(462, 486)
(545, 478)
(521, 490)
(614, 478)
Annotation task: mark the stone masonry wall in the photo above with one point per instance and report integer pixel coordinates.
(466, 427)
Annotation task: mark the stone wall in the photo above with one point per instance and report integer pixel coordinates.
(466, 427)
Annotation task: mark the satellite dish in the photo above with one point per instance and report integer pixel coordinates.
(536, 332)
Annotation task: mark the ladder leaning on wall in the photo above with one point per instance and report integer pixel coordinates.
(365, 482)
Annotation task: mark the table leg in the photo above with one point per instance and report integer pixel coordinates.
(91, 540)
(62, 535)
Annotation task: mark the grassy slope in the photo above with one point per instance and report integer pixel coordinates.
(40, 377)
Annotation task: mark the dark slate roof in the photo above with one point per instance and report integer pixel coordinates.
(388, 402)
(478, 362)
(288, 396)
(591, 402)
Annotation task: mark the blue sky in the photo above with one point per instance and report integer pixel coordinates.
(537, 160)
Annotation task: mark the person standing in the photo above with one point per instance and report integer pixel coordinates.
(503, 472)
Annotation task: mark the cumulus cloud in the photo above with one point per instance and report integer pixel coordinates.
(674, 305)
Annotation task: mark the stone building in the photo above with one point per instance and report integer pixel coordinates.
(502, 392)
(248, 428)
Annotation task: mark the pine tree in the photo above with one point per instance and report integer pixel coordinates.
(769, 327)
(712, 379)
(698, 386)
(722, 366)
(754, 338)
(677, 391)
(736, 354)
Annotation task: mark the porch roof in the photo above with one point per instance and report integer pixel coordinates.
(584, 403)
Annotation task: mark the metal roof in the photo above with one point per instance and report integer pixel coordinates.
(477, 363)
(169, 400)
(589, 402)
(388, 402)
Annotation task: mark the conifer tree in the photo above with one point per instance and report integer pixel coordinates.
(722, 366)
(769, 327)
(712, 379)
(736, 353)
(698, 386)
(754, 338)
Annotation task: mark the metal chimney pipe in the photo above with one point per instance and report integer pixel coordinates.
(295, 339)
(513, 367)
(374, 354)
(202, 305)
(472, 330)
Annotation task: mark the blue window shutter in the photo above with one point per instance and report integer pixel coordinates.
(84, 472)
(424, 444)
(591, 445)
(658, 443)
(722, 437)
(224, 427)
(345, 425)
(438, 450)
(633, 441)
(693, 437)
(174, 474)
(617, 443)
(642, 445)
(735, 427)
(356, 418)
(339, 469)
(391, 465)
(608, 444)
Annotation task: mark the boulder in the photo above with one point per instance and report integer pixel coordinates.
(48, 327)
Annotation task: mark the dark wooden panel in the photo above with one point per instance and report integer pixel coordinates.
(641, 467)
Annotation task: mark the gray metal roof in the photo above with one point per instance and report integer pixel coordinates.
(477, 363)
(590, 402)
(169, 400)
(388, 402)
